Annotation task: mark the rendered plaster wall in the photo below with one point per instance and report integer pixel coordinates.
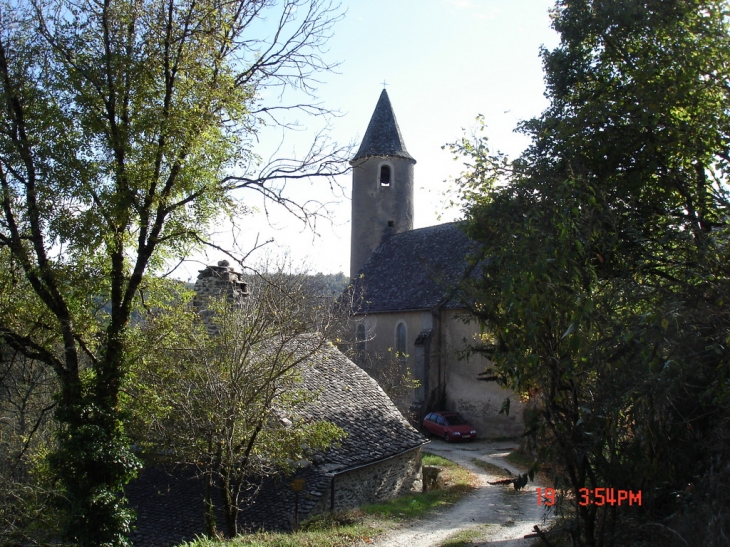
(379, 354)
(379, 482)
(380, 330)
(479, 402)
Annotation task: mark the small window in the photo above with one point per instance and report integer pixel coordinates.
(385, 175)
(400, 341)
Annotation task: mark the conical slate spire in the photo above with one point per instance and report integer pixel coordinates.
(383, 137)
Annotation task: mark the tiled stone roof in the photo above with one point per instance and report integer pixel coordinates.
(169, 506)
(169, 503)
(351, 399)
(354, 401)
(415, 270)
(383, 137)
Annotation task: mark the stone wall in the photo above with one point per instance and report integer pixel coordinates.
(378, 211)
(214, 282)
(378, 482)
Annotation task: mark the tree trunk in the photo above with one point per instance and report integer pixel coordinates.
(208, 508)
(93, 461)
(230, 506)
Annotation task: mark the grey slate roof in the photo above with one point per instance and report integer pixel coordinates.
(415, 270)
(351, 399)
(348, 397)
(383, 137)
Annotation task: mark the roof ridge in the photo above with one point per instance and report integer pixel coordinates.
(433, 226)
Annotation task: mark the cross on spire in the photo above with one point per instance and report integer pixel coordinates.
(384, 84)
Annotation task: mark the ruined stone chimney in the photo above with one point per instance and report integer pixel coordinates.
(217, 281)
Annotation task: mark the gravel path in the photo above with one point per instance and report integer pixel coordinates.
(499, 514)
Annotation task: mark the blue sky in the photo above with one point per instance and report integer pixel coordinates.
(445, 62)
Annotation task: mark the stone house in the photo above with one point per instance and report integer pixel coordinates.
(407, 304)
(380, 457)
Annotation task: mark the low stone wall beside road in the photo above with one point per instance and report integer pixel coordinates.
(378, 482)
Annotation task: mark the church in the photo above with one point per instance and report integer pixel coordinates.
(407, 308)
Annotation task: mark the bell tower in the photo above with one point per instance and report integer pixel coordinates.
(382, 185)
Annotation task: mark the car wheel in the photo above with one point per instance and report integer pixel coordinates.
(447, 438)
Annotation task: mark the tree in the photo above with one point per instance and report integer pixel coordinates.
(26, 433)
(26, 430)
(227, 390)
(605, 276)
(125, 128)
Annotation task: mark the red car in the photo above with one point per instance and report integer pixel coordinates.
(449, 425)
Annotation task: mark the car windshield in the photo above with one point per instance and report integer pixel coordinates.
(455, 420)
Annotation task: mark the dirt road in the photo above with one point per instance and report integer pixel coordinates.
(497, 515)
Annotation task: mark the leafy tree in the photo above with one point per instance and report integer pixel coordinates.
(606, 275)
(125, 128)
(26, 434)
(331, 285)
(227, 391)
(26, 429)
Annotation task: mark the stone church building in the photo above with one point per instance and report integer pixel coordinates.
(407, 306)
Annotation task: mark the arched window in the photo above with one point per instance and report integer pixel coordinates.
(401, 336)
(385, 175)
(361, 338)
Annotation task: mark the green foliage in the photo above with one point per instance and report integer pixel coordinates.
(125, 130)
(87, 449)
(604, 272)
(226, 391)
(331, 285)
(341, 530)
(433, 459)
(465, 538)
(27, 492)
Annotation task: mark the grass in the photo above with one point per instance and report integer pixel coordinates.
(339, 530)
(465, 538)
(355, 527)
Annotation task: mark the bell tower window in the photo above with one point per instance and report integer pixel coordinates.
(385, 175)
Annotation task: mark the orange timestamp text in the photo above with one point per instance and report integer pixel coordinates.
(595, 496)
